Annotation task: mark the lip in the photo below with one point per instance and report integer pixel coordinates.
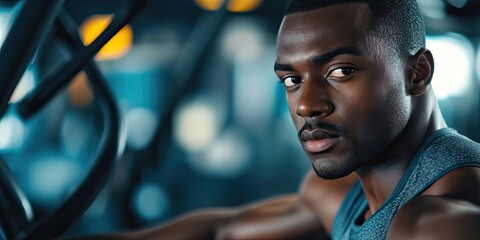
(319, 146)
(318, 140)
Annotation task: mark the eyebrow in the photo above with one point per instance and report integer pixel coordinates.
(318, 59)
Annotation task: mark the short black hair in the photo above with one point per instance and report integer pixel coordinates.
(399, 22)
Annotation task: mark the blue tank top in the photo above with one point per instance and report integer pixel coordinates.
(444, 151)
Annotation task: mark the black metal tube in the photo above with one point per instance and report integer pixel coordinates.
(28, 30)
(189, 63)
(62, 74)
(16, 212)
(57, 222)
(195, 50)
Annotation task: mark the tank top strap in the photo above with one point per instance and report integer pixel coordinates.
(444, 151)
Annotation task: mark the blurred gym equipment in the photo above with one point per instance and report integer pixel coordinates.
(28, 31)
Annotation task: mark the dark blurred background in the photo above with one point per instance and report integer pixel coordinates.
(229, 140)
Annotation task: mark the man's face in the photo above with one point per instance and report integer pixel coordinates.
(346, 98)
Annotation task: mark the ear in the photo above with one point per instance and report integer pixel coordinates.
(421, 68)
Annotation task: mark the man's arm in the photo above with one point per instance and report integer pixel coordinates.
(433, 217)
(285, 217)
(279, 218)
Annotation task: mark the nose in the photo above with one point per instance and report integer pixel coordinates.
(314, 101)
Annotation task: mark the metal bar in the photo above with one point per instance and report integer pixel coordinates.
(57, 222)
(188, 63)
(62, 74)
(28, 30)
(16, 212)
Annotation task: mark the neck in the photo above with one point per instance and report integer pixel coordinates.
(379, 180)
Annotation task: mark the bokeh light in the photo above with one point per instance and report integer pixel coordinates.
(12, 132)
(197, 124)
(25, 85)
(5, 22)
(243, 40)
(141, 124)
(433, 8)
(233, 5)
(209, 5)
(254, 85)
(229, 156)
(243, 5)
(116, 47)
(51, 178)
(453, 56)
(80, 92)
(4, 19)
(150, 201)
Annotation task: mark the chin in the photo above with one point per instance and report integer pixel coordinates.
(331, 169)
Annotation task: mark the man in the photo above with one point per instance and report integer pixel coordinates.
(357, 78)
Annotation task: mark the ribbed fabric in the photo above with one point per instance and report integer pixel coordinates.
(444, 151)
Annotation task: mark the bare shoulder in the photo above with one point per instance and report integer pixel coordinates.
(462, 183)
(449, 209)
(434, 217)
(324, 197)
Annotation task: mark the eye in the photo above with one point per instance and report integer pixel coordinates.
(291, 81)
(341, 72)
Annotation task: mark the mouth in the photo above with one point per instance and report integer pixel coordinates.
(318, 141)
